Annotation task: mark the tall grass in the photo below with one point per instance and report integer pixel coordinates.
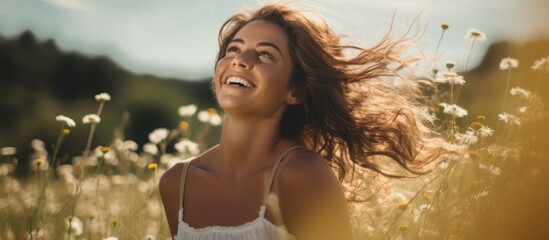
(110, 191)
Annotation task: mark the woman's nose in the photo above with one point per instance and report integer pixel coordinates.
(243, 60)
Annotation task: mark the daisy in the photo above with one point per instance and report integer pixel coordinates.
(523, 93)
(509, 119)
(103, 97)
(186, 145)
(454, 109)
(508, 63)
(158, 135)
(91, 118)
(187, 111)
(68, 121)
(475, 34)
(451, 78)
(541, 64)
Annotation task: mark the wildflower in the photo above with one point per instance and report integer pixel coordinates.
(8, 151)
(454, 109)
(37, 144)
(469, 137)
(105, 149)
(158, 135)
(210, 116)
(215, 120)
(150, 148)
(6, 169)
(68, 121)
(186, 145)
(66, 131)
(187, 111)
(129, 145)
(475, 34)
(91, 118)
(522, 109)
(509, 119)
(476, 125)
(450, 78)
(103, 97)
(450, 65)
(541, 64)
(75, 225)
(39, 162)
(444, 26)
(508, 63)
(152, 166)
(523, 93)
(427, 115)
(183, 125)
(485, 131)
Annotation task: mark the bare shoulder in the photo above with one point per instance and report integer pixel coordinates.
(305, 169)
(312, 199)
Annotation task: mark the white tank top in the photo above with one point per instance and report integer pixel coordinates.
(259, 228)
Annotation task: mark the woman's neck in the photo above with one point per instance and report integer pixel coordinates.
(247, 145)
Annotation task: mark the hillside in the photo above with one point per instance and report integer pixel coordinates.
(38, 81)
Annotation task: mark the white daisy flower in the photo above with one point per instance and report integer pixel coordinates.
(475, 34)
(541, 64)
(509, 119)
(68, 121)
(186, 145)
(522, 109)
(91, 118)
(103, 97)
(203, 116)
(158, 135)
(454, 109)
(451, 78)
(129, 145)
(150, 148)
(508, 63)
(523, 93)
(75, 225)
(187, 111)
(486, 131)
(468, 138)
(8, 151)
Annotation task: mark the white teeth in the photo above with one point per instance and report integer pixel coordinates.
(233, 80)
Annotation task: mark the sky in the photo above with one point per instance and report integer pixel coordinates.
(178, 38)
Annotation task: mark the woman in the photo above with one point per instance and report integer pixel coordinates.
(296, 108)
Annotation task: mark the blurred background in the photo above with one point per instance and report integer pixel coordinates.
(154, 56)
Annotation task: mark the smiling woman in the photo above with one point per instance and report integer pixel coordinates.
(299, 114)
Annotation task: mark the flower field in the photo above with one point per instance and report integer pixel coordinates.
(492, 187)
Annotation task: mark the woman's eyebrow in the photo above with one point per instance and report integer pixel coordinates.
(238, 40)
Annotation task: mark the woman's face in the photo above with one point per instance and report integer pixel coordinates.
(253, 77)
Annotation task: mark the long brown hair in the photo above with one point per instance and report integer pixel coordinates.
(350, 112)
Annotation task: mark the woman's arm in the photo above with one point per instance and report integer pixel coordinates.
(169, 192)
(312, 200)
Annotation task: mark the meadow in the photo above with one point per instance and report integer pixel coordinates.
(491, 188)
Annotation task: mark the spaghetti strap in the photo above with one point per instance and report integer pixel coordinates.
(186, 164)
(273, 171)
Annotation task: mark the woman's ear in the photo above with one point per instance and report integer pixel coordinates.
(293, 100)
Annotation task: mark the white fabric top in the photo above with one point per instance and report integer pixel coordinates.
(259, 228)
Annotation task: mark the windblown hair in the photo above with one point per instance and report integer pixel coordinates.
(350, 111)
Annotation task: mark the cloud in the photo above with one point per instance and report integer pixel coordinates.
(70, 4)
